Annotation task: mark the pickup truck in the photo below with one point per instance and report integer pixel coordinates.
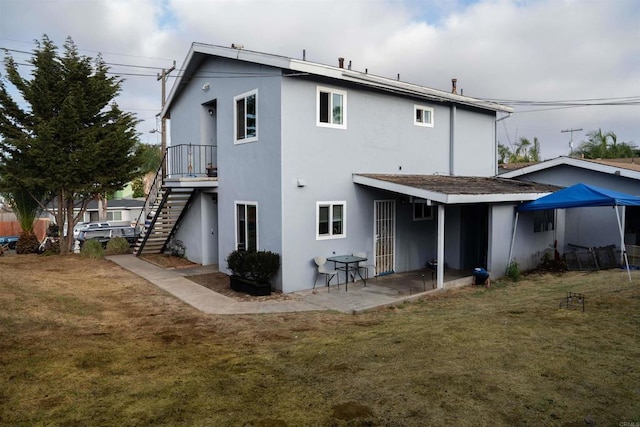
(9, 241)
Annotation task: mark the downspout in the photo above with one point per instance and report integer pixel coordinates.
(452, 138)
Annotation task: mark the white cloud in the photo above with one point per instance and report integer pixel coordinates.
(506, 49)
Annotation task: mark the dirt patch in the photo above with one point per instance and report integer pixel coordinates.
(219, 282)
(167, 261)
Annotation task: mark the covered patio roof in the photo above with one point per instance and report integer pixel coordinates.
(457, 189)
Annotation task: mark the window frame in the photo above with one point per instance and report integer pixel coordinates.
(244, 97)
(115, 215)
(541, 220)
(331, 92)
(331, 204)
(425, 208)
(236, 223)
(423, 109)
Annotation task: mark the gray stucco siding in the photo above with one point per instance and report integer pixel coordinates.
(474, 144)
(294, 164)
(199, 230)
(565, 175)
(529, 247)
(380, 137)
(246, 172)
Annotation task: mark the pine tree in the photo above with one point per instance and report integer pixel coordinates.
(72, 141)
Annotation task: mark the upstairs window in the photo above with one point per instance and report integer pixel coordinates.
(330, 220)
(332, 108)
(246, 117)
(423, 116)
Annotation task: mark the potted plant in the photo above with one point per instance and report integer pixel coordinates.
(252, 271)
(212, 171)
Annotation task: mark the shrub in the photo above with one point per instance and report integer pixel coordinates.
(259, 266)
(117, 246)
(27, 243)
(92, 249)
(263, 265)
(237, 263)
(513, 270)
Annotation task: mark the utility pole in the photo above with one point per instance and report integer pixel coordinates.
(163, 132)
(571, 138)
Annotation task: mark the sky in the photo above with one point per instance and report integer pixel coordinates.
(562, 65)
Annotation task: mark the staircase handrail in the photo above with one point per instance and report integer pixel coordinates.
(152, 196)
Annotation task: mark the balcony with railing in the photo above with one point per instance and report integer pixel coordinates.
(187, 162)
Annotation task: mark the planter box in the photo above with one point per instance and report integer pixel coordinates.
(239, 284)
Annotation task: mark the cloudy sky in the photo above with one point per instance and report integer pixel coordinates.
(561, 64)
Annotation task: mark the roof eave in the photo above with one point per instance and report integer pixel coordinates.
(570, 161)
(444, 198)
(301, 66)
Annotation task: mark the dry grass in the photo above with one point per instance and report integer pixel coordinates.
(84, 342)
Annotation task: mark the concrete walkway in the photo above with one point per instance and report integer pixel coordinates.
(357, 299)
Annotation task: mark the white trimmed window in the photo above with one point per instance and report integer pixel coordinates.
(422, 211)
(332, 108)
(114, 216)
(245, 117)
(331, 220)
(246, 226)
(422, 116)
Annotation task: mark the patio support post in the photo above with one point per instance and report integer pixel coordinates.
(440, 267)
(513, 238)
(623, 247)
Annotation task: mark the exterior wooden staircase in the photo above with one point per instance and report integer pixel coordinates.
(160, 217)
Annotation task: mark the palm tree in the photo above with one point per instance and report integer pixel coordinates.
(521, 153)
(534, 153)
(504, 153)
(601, 145)
(26, 206)
(524, 151)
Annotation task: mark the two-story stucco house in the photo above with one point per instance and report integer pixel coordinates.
(317, 160)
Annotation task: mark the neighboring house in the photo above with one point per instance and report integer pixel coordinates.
(119, 212)
(314, 160)
(594, 226)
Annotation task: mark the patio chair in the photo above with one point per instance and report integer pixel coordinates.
(328, 273)
(362, 265)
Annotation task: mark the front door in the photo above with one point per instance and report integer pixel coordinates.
(385, 235)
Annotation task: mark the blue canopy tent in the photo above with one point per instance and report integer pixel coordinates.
(578, 196)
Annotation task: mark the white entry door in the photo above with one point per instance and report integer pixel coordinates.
(385, 235)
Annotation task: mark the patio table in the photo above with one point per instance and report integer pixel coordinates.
(346, 260)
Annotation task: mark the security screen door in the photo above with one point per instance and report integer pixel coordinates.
(385, 235)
